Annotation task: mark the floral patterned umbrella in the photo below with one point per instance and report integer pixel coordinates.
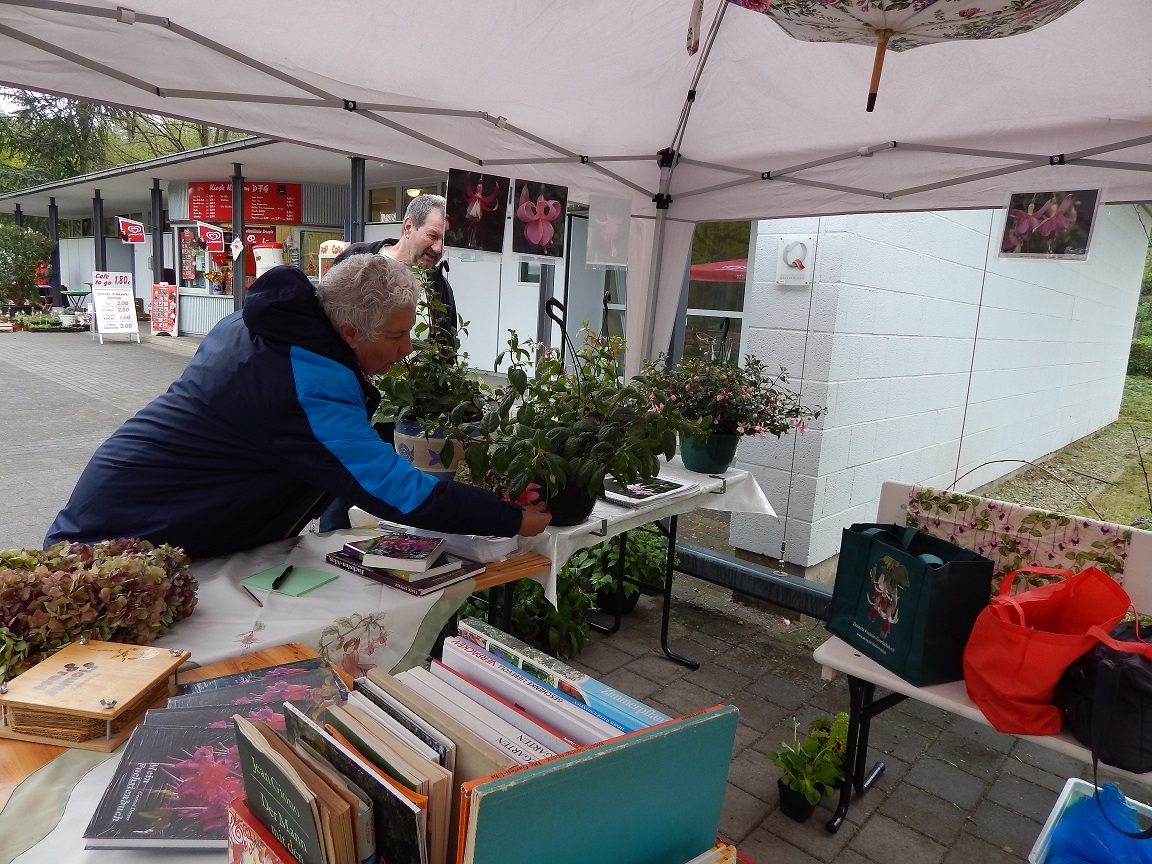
(902, 24)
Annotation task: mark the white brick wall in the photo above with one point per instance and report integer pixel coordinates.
(914, 332)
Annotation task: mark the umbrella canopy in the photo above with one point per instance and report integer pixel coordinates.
(720, 271)
(898, 25)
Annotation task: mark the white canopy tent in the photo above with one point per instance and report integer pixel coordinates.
(588, 94)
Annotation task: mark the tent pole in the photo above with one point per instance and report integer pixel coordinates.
(667, 158)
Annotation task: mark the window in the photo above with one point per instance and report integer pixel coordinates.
(715, 317)
(382, 205)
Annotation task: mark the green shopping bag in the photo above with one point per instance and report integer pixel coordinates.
(908, 600)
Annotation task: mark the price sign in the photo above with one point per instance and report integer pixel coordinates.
(263, 202)
(164, 309)
(114, 301)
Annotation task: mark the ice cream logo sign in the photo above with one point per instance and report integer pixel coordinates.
(130, 230)
(211, 237)
(888, 577)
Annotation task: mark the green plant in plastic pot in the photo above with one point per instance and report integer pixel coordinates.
(813, 765)
(645, 559)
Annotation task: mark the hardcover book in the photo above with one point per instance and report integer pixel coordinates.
(475, 546)
(251, 676)
(444, 746)
(400, 823)
(461, 569)
(569, 682)
(171, 790)
(318, 687)
(644, 491)
(397, 550)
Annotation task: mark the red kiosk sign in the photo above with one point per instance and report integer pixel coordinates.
(211, 201)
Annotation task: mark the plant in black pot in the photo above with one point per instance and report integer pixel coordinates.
(811, 767)
(564, 425)
(645, 556)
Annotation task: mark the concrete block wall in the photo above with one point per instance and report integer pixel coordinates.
(933, 357)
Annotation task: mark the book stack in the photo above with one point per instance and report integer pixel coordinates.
(645, 491)
(484, 549)
(181, 767)
(450, 570)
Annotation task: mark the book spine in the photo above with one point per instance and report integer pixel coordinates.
(368, 573)
(570, 683)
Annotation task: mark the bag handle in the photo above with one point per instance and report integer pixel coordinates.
(1009, 578)
(905, 538)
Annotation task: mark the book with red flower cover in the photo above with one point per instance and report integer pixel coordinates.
(319, 687)
(397, 550)
(171, 790)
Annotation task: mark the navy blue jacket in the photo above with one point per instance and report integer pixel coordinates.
(271, 419)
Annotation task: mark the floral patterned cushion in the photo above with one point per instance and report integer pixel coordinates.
(1015, 536)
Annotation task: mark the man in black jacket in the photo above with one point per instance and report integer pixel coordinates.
(271, 419)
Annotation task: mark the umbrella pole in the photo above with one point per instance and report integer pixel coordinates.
(878, 66)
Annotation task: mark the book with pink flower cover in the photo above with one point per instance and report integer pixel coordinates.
(644, 491)
(317, 687)
(397, 550)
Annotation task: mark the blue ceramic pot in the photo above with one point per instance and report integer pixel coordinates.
(711, 455)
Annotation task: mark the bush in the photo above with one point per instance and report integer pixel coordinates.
(1140, 357)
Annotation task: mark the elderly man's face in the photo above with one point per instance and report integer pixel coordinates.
(392, 343)
(425, 244)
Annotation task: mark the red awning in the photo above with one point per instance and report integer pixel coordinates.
(720, 271)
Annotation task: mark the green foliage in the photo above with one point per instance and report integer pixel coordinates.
(556, 426)
(1140, 357)
(560, 630)
(645, 556)
(22, 250)
(813, 765)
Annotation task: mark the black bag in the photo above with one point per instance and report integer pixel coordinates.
(908, 600)
(1106, 697)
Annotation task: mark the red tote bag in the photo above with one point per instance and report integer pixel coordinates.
(1021, 645)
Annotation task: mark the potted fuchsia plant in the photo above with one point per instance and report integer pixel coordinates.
(724, 401)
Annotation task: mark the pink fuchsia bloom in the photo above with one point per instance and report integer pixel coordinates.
(538, 217)
(1028, 221)
(1060, 221)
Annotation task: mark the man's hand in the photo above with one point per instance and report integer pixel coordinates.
(535, 520)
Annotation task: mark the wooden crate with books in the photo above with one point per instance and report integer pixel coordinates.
(88, 695)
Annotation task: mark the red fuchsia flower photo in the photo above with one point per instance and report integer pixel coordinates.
(1049, 224)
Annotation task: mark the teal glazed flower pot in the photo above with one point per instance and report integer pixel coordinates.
(711, 455)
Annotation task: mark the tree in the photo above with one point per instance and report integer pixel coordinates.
(47, 138)
(22, 251)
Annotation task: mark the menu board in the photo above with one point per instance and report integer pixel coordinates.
(211, 201)
(187, 255)
(163, 311)
(114, 301)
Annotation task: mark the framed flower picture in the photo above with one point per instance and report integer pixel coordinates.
(1050, 225)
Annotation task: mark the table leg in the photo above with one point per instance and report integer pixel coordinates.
(862, 707)
(618, 595)
(669, 568)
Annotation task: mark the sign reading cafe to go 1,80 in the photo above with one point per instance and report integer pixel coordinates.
(211, 201)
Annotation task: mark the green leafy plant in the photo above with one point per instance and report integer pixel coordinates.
(557, 425)
(719, 396)
(813, 765)
(645, 558)
(116, 591)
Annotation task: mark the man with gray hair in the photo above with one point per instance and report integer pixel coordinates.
(421, 244)
(270, 421)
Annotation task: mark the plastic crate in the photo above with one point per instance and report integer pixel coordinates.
(1074, 789)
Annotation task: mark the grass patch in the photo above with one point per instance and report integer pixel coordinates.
(1129, 498)
(1136, 406)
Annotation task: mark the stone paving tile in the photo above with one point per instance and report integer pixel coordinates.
(812, 836)
(972, 850)
(940, 819)
(982, 734)
(781, 691)
(940, 778)
(754, 774)
(967, 755)
(1022, 797)
(742, 813)
(766, 847)
(884, 839)
(684, 697)
(1004, 828)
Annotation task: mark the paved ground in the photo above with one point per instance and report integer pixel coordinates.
(954, 792)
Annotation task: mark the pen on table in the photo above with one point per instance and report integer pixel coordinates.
(279, 580)
(255, 599)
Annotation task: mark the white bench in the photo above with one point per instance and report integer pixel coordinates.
(1129, 560)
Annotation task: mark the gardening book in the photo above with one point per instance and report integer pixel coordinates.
(400, 823)
(283, 670)
(461, 569)
(538, 699)
(314, 821)
(397, 550)
(444, 746)
(651, 795)
(170, 791)
(478, 547)
(320, 687)
(644, 491)
(558, 675)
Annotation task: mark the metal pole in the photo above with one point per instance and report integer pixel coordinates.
(54, 265)
(356, 195)
(157, 231)
(18, 217)
(101, 247)
(237, 231)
